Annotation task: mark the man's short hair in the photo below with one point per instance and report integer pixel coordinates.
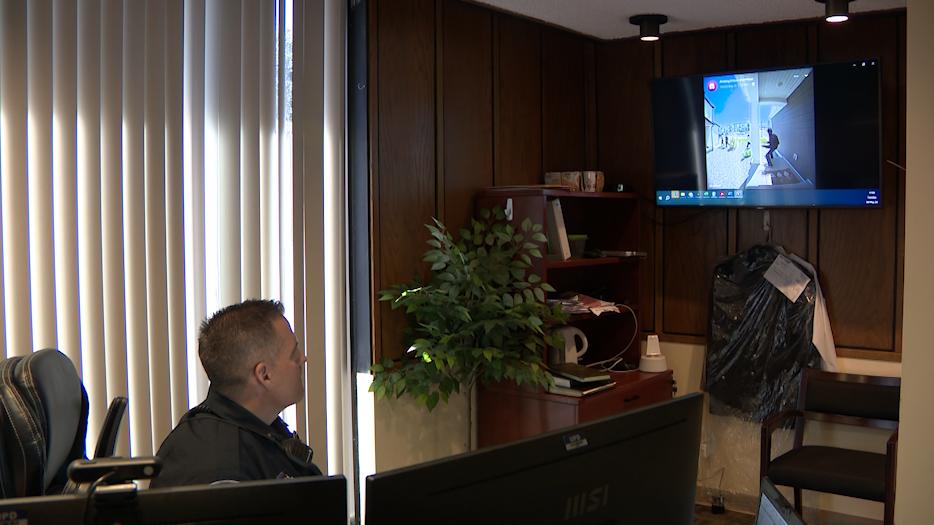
(237, 337)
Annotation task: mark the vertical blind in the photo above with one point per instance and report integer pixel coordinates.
(145, 157)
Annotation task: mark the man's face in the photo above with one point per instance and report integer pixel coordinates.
(287, 368)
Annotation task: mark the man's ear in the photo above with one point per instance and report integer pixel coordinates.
(261, 373)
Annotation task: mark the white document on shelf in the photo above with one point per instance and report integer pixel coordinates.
(788, 278)
(557, 234)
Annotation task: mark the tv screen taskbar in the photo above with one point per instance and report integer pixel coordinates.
(765, 198)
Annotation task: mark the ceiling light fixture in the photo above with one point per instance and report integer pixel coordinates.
(648, 26)
(836, 10)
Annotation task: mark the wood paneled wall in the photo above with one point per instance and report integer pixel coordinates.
(463, 97)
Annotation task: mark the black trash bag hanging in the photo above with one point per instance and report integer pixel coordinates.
(759, 339)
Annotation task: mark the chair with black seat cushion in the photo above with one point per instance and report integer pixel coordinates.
(869, 401)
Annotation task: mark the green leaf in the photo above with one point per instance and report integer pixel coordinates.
(540, 295)
(526, 224)
(517, 273)
(434, 242)
(432, 401)
(540, 237)
(536, 227)
(547, 287)
(507, 300)
(434, 255)
(438, 265)
(485, 213)
(529, 246)
(528, 295)
(535, 253)
(526, 259)
(533, 278)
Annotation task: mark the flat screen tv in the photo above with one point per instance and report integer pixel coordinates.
(798, 137)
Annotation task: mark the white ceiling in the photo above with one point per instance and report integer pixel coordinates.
(609, 19)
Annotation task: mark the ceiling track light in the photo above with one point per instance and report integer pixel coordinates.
(648, 26)
(836, 11)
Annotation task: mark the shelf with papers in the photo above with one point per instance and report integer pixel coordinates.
(556, 264)
(610, 223)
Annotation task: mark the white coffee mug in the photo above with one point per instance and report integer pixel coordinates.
(572, 352)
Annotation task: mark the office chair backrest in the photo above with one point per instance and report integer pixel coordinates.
(51, 377)
(868, 400)
(45, 411)
(23, 439)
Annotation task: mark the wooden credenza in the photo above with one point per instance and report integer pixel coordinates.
(507, 413)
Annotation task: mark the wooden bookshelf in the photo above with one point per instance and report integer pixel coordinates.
(611, 222)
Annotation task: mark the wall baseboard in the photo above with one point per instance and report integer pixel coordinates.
(747, 504)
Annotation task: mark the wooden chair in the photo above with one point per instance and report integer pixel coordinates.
(869, 401)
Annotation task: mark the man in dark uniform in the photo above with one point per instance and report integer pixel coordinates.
(256, 370)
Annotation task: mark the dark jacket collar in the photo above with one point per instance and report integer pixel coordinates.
(226, 408)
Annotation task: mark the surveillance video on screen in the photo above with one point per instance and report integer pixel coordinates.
(759, 130)
(797, 137)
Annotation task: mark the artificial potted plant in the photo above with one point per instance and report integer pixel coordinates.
(482, 316)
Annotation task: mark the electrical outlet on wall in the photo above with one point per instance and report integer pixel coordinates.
(717, 504)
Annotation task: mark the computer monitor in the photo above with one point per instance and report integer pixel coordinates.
(636, 467)
(774, 509)
(43, 509)
(317, 499)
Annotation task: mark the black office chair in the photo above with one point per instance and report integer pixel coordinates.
(849, 399)
(43, 423)
(45, 409)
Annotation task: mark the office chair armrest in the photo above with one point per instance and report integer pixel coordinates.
(891, 461)
(891, 453)
(768, 427)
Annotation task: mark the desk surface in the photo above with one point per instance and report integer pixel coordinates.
(508, 413)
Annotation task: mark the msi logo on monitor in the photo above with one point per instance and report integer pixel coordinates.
(586, 502)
